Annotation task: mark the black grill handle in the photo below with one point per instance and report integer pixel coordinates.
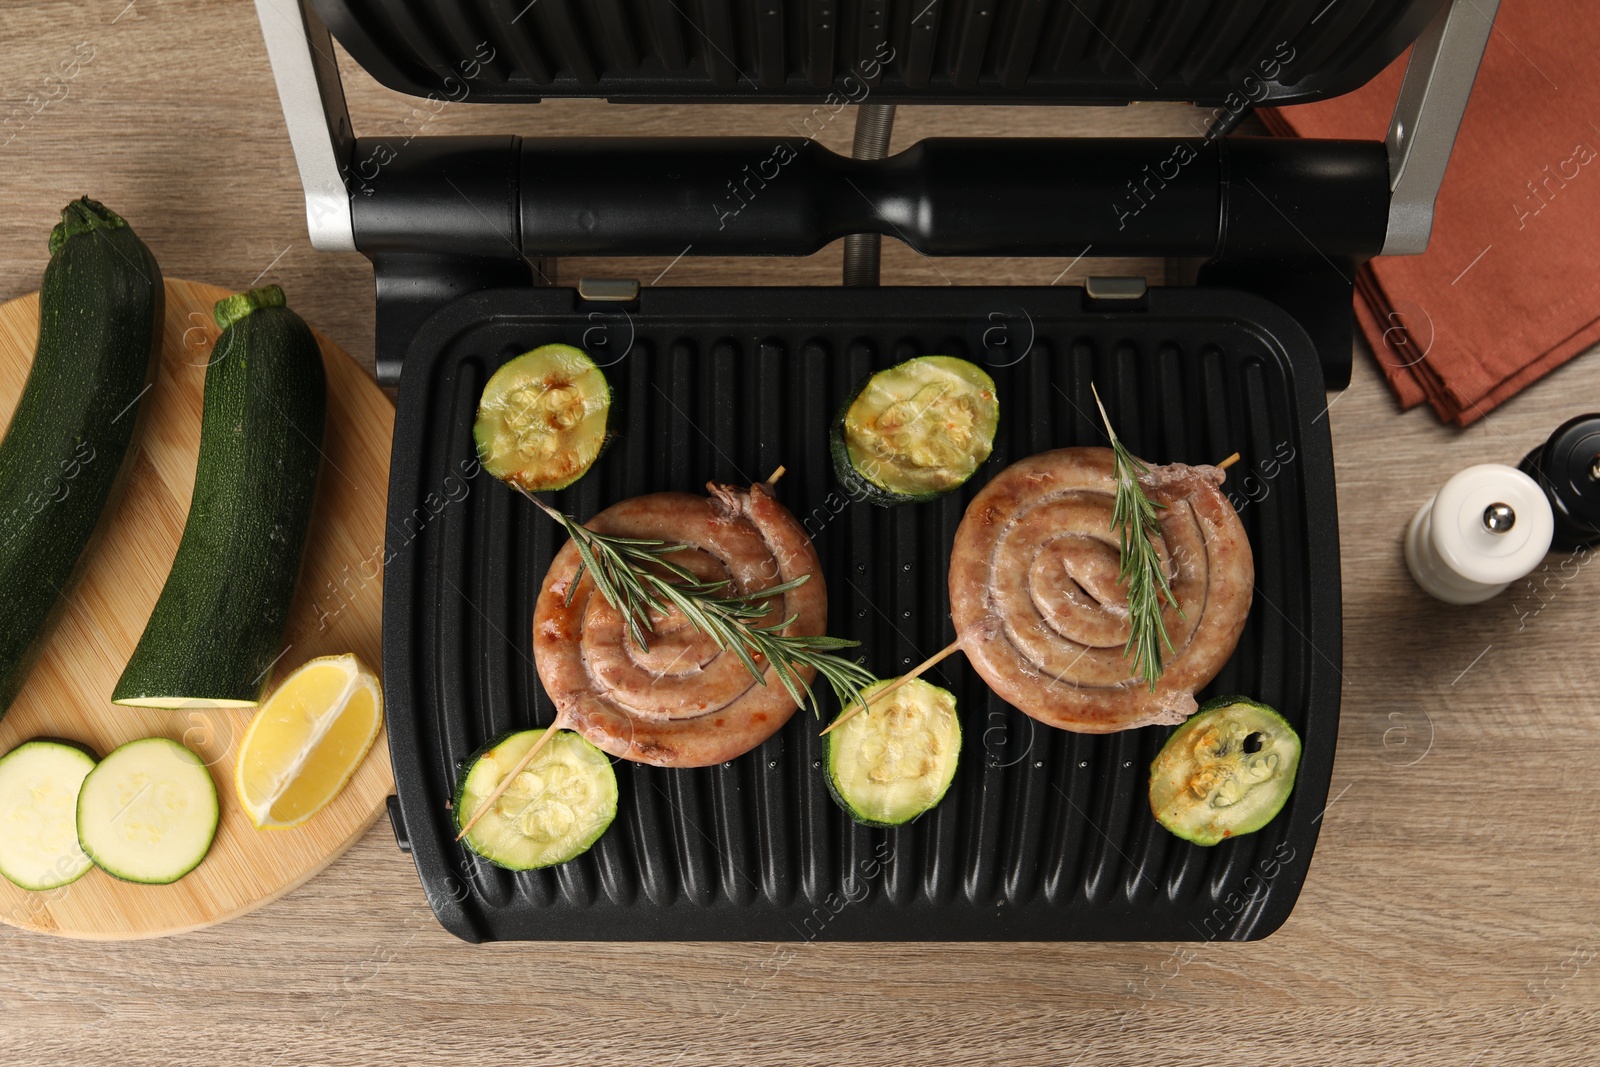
(1288, 219)
(777, 196)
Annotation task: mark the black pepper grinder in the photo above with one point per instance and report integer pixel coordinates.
(1567, 468)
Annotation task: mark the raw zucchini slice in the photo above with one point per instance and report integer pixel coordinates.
(916, 431)
(1225, 772)
(148, 812)
(558, 806)
(896, 760)
(39, 783)
(542, 418)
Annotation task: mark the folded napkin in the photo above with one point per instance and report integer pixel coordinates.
(1509, 288)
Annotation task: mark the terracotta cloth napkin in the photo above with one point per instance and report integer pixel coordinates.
(1509, 288)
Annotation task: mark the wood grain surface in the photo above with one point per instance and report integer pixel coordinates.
(337, 609)
(1451, 915)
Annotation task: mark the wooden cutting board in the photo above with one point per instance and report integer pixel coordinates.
(337, 609)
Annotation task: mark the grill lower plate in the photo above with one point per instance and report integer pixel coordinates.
(1045, 835)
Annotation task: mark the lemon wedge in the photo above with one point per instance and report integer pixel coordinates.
(307, 740)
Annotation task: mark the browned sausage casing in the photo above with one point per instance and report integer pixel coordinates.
(684, 702)
(1036, 602)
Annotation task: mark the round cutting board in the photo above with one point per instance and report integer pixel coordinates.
(337, 609)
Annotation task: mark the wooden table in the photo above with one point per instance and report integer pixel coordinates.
(1450, 912)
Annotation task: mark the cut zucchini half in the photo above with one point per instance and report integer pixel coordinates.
(218, 627)
(542, 418)
(39, 782)
(553, 812)
(896, 760)
(916, 431)
(1227, 771)
(148, 812)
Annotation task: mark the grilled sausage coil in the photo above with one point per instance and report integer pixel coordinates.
(1036, 602)
(682, 702)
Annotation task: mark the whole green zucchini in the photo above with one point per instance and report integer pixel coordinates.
(71, 437)
(218, 626)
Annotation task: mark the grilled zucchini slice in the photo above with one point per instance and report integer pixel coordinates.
(916, 431)
(556, 809)
(542, 418)
(1227, 771)
(896, 760)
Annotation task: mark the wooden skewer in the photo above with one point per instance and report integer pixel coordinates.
(1230, 461)
(560, 723)
(915, 672)
(772, 479)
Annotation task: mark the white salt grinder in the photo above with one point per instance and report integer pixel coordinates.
(1488, 526)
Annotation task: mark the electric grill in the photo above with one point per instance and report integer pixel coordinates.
(1045, 835)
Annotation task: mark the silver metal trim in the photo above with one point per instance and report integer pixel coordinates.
(863, 252)
(303, 64)
(1427, 114)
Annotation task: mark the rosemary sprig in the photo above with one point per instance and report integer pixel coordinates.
(1133, 516)
(640, 580)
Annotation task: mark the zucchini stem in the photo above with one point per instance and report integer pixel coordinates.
(83, 216)
(230, 309)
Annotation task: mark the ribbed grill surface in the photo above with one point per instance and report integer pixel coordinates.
(1108, 51)
(1044, 834)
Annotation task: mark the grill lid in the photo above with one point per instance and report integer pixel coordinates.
(1235, 54)
(898, 51)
